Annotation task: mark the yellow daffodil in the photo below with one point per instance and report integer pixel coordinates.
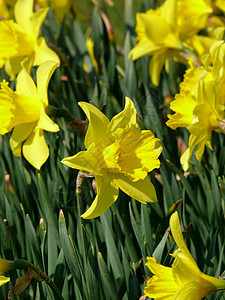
(184, 281)
(5, 266)
(119, 154)
(24, 110)
(90, 48)
(19, 39)
(200, 104)
(164, 32)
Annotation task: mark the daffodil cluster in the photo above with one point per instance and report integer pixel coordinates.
(199, 106)
(171, 30)
(23, 110)
(184, 281)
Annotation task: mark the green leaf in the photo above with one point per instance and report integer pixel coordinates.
(71, 255)
(34, 243)
(107, 279)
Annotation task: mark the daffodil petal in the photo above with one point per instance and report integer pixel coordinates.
(144, 47)
(106, 196)
(20, 133)
(37, 19)
(183, 105)
(85, 160)
(185, 158)
(190, 291)
(46, 123)
(22, 18)
(162, 284)
(155, 67)
(158, 33)
(184, 267)
(199, 140)
(14, 65)
(126, 116)
(4, 280)
(44, 74)
(178, 237)
(98, 123)
(8, 42)
(35, 149)
(169, 12)
(25, 85)
(141, 190)
(159, 270)
(43, 53)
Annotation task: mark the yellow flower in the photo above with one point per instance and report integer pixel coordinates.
(5, 266)
(164, 32)
(184, 281)
(19, 39)
(200, 104)
(120, 155)
(90, 48)
(24, 110)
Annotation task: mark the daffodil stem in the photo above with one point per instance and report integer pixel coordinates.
(60, 112)
(23, 264)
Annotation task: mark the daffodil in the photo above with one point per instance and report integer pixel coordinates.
(166, 31)
(200, 104)
(5, 266)
(23, 111)
(120, 155)
(19, 40)
(184, 281)
(90, 48)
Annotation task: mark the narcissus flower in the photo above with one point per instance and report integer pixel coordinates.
(90, 48)
(5, 266)
(184, 281)
(166, 31)
(119, 154)
(19, 40)
(23, 111)
(200, 104)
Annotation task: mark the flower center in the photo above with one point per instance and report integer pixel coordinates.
(17, 109)
(133, 152)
